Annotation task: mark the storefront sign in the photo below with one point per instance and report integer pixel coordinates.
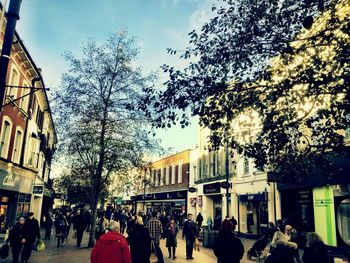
(212, 188)
(9, 181)
(226, 185)
(38, 189)
(252, 198)
(324, 214)
(192, 189)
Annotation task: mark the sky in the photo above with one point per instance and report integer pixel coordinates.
(48, 28)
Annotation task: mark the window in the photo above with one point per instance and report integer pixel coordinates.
(23, 103)
(167, 178)
(246, 166)
(161, 177)
(17, 146)
(347, 134)
(179, 180)
(173, 174)
(343, 220)
(14, 82)
(5, 138)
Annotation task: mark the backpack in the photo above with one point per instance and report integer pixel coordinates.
(61, 224)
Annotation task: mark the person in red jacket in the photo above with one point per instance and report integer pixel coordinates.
(111, 247)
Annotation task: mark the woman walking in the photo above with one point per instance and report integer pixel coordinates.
(283, 251)
(17, 239)
(316, 250)
(228, 248)
(140, 243)
(171, 232)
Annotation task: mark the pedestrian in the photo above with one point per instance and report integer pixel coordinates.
(288, 232)
(209, 223)
(164, 220)
(155, 229)
(111, 247)
(171, 231)
(48, 225)
(199, 220)
(130, 229)
(61, 228)
(102, 226)
(282, 251)
(79, 225)
(316, 250)
(16, 238)
(69, 223)
(234, 223)
(190, 232)
(228, 248)
(122, 221)
(31, 232)
(87, 217)
(140, 242)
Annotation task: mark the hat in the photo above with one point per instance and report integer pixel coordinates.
(30, 214)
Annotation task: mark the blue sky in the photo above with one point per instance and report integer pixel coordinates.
(51, 27)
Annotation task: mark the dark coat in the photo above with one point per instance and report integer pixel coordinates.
(283, 252)
(199, 219)
(316, 253)
(228, 248)
(31, 230)
(16, 235)
(61, 224)
(79, 223)
(171, 240)
(190, 230)
(140, 244)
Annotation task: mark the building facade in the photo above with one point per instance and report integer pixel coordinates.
(28, 140)
(164, 185)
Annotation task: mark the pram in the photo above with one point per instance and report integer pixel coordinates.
(257, 248)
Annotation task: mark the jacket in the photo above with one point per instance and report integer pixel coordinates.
(31, 230)
(190, 230)
(283, 252)
(79, 223)
(111, 248)
(316, 253)
(171, 240)
(140, 244)
(16, 235)
(228, 248)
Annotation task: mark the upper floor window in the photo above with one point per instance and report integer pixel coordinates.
(173, 174)
(14, 79)
(167, 175)
(5, 138)
(246, 166)
(179, 176)
(161, 177)
(23, 103)
(17, 146)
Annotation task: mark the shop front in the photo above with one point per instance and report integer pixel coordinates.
(253, 213)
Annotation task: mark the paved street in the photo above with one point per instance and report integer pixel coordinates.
(71, 254)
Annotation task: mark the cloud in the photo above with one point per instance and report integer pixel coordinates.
(202, 15)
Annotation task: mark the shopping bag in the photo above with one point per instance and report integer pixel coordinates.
(4, 251)
(39, 246)
(74, 236)
(153, 258)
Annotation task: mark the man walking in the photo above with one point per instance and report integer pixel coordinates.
(190, 232)
(199, 220)
(155, 229)
(111, 247)
(31, 232)
(79, 226)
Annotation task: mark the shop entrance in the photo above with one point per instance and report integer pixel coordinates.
(217, 205)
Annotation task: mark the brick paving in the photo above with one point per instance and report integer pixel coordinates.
(71, 254)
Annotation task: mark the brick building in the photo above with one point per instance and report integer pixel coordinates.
(164, 184)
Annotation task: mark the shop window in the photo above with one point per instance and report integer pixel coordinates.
(23, 204)
(347, 134)
(343, 220)
(5, 138)
(17, 146)
(3, 213)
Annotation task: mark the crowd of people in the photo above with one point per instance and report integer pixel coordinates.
(145, 231)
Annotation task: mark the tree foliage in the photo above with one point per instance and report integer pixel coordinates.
(102, 132)
(283, 65)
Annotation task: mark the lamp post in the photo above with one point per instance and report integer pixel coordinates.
(227, 174)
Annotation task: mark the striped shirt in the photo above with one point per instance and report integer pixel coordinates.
(155, 229)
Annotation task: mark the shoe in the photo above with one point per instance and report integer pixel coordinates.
(63, 244)
(169, 256)
(191, 258)
(174, 257)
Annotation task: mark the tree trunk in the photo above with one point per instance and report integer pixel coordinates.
(94, 204)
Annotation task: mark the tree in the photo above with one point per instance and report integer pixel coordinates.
(273, 75)
(101, 130)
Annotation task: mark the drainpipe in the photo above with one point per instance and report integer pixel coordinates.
(12, 17)
(21, 162)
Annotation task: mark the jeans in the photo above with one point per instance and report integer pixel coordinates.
(189, 247)
(16, 250)
(27, 250)
(80, 233)
(159, 252)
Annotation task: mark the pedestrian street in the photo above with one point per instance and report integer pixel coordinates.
(71, 254)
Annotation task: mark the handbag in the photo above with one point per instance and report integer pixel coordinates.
(39, 246)
(153, 258)
(4, 251)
